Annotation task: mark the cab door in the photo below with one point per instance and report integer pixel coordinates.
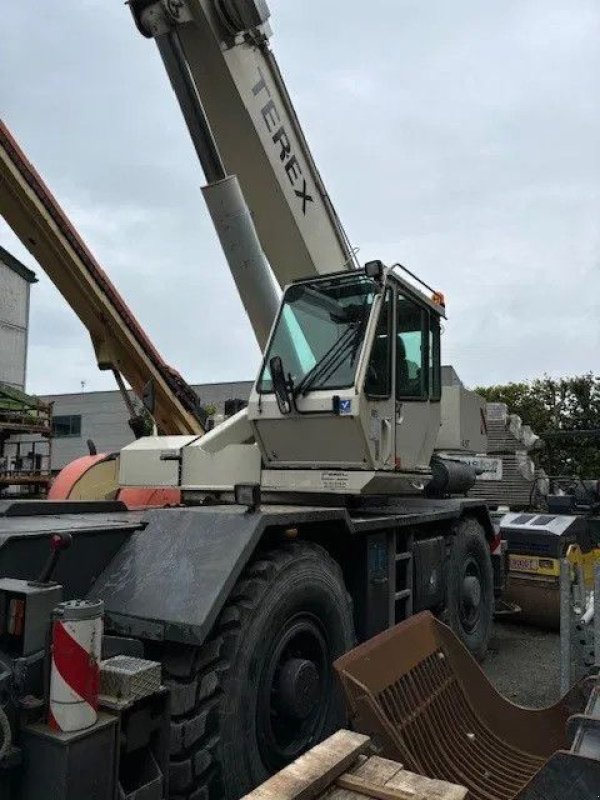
(417, 380)
(379, 389)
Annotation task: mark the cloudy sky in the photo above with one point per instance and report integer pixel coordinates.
(461, 138)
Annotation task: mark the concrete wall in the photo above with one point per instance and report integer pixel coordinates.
(14, 315)
(103, 418)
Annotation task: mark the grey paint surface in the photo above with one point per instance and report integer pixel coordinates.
(66, 765)
(96, 538)
(15, 281)
(171, 580)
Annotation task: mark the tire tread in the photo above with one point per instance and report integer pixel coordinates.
(197, 676)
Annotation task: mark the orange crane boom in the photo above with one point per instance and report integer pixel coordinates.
(119, 341)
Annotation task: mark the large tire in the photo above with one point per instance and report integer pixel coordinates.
(248, 701)
(470, 587)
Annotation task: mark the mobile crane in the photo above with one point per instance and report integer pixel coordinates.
(317, 516)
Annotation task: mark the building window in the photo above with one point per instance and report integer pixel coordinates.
(69, 425)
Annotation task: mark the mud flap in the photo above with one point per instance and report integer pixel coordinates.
(170, 580)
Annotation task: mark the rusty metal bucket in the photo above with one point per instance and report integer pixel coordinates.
(418, 692)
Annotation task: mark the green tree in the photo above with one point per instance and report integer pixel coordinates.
(565, 412)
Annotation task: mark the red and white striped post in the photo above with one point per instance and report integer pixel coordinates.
(75, 671)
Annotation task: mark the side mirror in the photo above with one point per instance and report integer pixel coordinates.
(280, 386)
(375, 270)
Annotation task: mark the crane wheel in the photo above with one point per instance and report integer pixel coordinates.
(470, 587)
(260, 691)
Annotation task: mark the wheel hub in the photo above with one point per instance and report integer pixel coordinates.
(294, 692)
(298, 688)
(472, 591)
(471, 595)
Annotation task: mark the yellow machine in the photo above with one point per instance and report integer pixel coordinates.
(536, 544)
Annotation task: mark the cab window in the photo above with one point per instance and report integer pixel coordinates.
(378, 379)
(435, 362)
(412, 350)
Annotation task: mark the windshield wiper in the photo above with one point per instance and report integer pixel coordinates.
(324, 368)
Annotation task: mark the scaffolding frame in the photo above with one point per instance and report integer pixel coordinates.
(25, 442)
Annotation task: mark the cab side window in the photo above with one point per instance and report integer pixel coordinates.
(378, 379)
(435, 368)
(412, 350)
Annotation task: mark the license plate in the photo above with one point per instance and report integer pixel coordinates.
(524, 564)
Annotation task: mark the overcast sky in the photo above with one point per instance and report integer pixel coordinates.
(461, 138)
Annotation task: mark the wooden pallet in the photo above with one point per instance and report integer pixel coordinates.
(339, 769)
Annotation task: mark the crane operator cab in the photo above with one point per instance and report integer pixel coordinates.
(348, 396)
(347, 402)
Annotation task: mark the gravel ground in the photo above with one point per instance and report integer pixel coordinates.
(523, 663)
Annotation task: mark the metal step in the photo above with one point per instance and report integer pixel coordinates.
(403, 597)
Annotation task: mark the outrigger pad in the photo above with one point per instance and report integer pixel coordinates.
(420, 694)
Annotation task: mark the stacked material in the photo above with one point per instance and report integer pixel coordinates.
(510, 443)
(343, 768)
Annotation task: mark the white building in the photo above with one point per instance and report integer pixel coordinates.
(15, 286)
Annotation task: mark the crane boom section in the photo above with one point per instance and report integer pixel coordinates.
(255, 129)
(119, 341)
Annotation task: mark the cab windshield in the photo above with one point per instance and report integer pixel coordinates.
(319, 333)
